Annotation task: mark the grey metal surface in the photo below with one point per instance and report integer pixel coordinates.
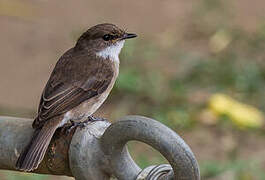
(87, 161)
(98, 151)
(155, 172)
(15, 133)
(155, 134)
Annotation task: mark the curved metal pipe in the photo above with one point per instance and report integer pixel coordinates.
(155, 134)
(85, 154)
(15, 133)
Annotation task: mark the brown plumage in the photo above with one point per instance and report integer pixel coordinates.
(80, 82)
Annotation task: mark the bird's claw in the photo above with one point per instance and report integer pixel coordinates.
(93, 118)
(73, 124)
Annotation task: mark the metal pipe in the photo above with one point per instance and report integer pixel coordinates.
(98, 151)
(155, 134)
(15, 133)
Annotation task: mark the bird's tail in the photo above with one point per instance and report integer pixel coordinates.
(34, 152)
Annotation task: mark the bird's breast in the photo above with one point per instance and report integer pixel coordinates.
(89, 106)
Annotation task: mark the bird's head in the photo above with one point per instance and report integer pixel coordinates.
(106, 40)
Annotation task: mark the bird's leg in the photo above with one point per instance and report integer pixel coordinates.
(76, 124)
(72, 125)
(93, 118)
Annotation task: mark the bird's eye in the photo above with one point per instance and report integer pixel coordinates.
(108, 37)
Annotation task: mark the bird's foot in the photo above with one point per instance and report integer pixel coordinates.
(72, 125)
(89, 120)
(66, 129)
(93, 118)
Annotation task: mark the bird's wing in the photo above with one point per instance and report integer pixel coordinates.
(62, 93)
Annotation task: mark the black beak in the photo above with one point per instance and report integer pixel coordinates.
(129, 36)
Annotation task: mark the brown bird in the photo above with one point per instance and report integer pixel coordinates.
(80, 82)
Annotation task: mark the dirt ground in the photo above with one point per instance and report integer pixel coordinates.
(32, 42)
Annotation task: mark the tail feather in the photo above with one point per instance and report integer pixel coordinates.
(23, 154)
(42, 152)
(36, 158)
(31, 162)
(34, 152)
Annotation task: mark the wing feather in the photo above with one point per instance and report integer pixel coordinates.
(61, 94)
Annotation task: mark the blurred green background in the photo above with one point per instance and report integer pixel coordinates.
(197, 66)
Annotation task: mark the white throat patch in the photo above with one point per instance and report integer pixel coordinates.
(112, 52)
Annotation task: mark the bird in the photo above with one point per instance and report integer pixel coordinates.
(78, 85)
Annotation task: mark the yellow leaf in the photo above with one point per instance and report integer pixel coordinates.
(219, 41)
(242, 115)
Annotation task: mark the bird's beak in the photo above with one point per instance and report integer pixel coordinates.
(128, 36)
